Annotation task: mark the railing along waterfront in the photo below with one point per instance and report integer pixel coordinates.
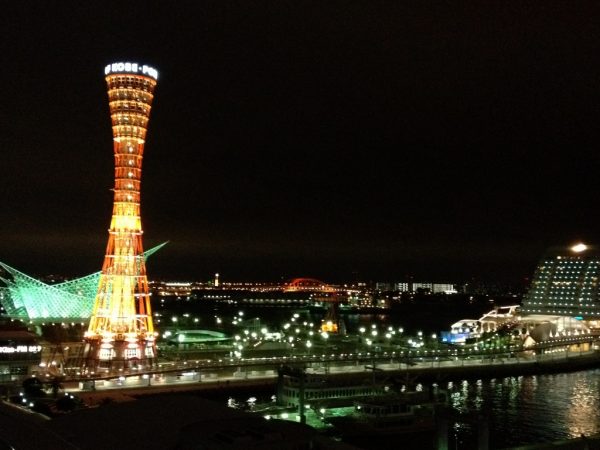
(386, 359)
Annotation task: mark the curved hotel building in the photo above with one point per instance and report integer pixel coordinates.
(563, 297)
(565, 284)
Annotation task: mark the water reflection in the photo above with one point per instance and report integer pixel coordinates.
(526, 409)
(582, 416)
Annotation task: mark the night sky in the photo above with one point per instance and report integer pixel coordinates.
(342, 140)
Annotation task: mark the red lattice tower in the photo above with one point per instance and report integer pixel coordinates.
(121, 333)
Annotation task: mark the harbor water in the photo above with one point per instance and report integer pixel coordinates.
(525, 409)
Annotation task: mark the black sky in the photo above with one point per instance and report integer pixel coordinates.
(353, 139)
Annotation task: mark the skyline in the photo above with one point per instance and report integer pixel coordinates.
(298, 139)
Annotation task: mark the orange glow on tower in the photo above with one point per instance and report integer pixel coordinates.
(121, 333)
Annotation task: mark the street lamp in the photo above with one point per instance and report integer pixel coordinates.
(362, 331)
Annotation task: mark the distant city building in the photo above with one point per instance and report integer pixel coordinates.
(401, 287)
(435, 288)
(446, 288)
(381, 286)
(565, 283)
(416, 287)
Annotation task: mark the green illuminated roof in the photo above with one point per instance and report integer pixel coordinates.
(28, 299)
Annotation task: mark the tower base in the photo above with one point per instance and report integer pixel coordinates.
(101, 355)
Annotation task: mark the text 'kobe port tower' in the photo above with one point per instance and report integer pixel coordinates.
(121, 332)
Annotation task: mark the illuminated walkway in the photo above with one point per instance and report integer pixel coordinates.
(430, 363)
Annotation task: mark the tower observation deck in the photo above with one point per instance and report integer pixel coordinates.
(121, 333)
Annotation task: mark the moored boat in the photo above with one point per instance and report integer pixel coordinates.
(396, 414)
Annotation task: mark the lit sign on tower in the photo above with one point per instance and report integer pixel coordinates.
(121, 333)
(131, 68)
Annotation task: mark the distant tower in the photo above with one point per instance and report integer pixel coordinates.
(121, 333)
(216, 280)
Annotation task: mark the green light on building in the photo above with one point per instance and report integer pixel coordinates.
(30, 300)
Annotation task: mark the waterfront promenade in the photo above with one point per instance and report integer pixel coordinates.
(251, 373)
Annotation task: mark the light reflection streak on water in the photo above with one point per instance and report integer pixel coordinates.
(582, 416)
(527, 409)
(478, 401)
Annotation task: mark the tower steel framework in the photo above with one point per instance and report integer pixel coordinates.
(121, 332)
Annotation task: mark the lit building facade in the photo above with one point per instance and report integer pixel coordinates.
(565, 283)
(401, 287)
(20, 353)
(121, 332)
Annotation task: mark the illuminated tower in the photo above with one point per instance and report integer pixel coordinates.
(121, 333)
